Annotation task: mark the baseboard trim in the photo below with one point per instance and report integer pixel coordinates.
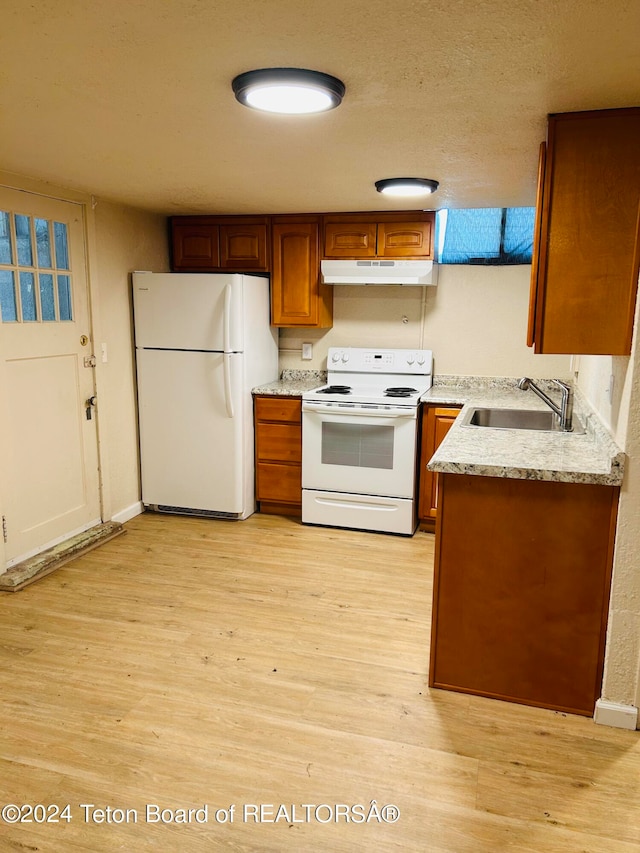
(128, 513)
(616, 715)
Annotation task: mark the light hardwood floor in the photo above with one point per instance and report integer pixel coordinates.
(195, 662)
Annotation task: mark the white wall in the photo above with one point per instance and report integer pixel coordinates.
(621, 414)
(474, 320)
(126, 239)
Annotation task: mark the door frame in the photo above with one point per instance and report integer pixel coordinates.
(11, 181)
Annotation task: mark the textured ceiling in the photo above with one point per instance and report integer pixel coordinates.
(131, 100)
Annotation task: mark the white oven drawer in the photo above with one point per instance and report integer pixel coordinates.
(361, 512)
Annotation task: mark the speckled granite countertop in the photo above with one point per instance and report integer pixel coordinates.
(521, 454)
(293, 383)
(513, 453)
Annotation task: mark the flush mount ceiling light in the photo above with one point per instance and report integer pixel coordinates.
(406, 186)
(294, 91)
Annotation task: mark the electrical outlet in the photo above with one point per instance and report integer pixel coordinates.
(307, 352)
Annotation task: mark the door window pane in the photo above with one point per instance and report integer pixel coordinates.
(43, 243)
(23, 235)
(28, 296)
(62, 247)
(357, 445)
(64, 297)
(8, 297)
(6, 255)
(36, 248)
(47, 298)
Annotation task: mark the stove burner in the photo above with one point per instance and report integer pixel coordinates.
(399, 392)
(335, 389)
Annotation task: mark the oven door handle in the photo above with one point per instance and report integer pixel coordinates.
(355, 411)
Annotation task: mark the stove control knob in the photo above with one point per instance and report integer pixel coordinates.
(335, 356)
(345, 357)
(410, 357)
(421, 358)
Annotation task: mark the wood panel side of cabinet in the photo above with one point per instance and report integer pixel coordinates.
(298, 298)
(436, 423)
(521, 590)
(589, 246)
(536, 290)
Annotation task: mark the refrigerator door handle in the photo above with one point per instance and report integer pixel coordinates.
(226, 320)
(228, 399)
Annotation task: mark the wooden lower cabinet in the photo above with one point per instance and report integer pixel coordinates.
(278, 430)
(521, 590)
(436, 423)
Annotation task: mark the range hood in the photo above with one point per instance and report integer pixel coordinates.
(380, 272)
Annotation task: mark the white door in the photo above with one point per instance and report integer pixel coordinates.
(49, 456)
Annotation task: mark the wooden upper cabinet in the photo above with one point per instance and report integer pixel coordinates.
(297, 296)
(587, 249)
(349, 240)
(244, 247)
(195, 246)
(379, 235)
(220, 243)
(405, 240)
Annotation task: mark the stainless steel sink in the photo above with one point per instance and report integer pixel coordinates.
(534, 419)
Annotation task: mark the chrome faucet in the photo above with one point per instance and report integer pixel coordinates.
(564, 411)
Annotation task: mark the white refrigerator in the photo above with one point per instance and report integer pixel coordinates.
(203, 341)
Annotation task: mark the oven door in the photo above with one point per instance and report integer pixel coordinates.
(359, 449)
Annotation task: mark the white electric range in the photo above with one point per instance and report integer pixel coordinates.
(359, 439)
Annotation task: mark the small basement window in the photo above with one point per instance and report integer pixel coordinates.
(485, 235)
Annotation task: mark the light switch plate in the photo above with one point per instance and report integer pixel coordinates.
(307, 352)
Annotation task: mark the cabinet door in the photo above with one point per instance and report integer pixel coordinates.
(279, 442)
(278, 484)
(194, 247)
(297, 296)
(275, 408)
(588, 251)
(405, 240)
(350, 240)
(436, 423)
(243, 247)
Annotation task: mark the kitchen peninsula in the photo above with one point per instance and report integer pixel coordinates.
(524, 551)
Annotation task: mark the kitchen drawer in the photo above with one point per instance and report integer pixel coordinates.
(279, 483)
(287, 409)
(279, 442)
